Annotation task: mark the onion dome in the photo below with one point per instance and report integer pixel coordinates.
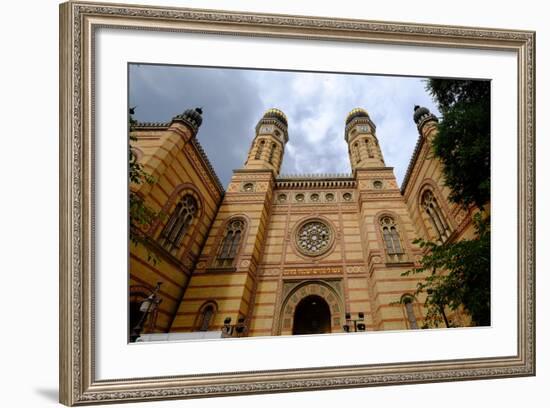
(276, 114)
(419, 111)
(422, 115)
(275, 117)
(356, 113)
(191, 117)
(355, 117)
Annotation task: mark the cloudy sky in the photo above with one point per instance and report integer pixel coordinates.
(316, 104)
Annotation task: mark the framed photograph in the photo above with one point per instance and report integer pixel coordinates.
(255, 203)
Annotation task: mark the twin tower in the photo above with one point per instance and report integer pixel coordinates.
(268, 146)
(281, 255)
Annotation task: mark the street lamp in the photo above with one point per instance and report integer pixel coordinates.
(146, 307)
(233, 330)
(358, 324)
(227, 328)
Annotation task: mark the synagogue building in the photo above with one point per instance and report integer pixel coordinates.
(274, 254)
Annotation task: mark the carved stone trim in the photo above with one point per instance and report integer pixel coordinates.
(78, 383)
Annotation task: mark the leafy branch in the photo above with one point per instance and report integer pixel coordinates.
(141, 215)
(460, 272)
(459, 276)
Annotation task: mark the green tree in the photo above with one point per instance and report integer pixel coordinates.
(460, 276)
(463, 143)
(140, 214)
(460, 271)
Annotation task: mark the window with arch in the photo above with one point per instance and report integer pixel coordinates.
(392, 240)
(230, 243)
(206, 317)
(356, 151)
(179, 222)
(272, 153)
(431, 206)
(369, 148)
(408, 303)
(259, 150)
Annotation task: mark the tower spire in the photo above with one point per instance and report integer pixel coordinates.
(360, 134)
(423, 117)
(266, 151)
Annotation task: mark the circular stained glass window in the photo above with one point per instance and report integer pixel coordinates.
(347, 196)
(377, 184)
(329, 197)
(315, 197)
(299, 197)
(282, 198)
(314, 238)
(248, 187)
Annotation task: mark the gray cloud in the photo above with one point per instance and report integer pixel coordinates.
(316, 105)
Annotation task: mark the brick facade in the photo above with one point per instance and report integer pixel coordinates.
(347, 264)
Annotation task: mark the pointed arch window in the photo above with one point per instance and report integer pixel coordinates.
(391, 236)
(272, 153)
(369, 148)
(408, 302)
(431, 206)
(229, 246)
(206, 317)
(259, 150)
(392, 240)
(179, 222)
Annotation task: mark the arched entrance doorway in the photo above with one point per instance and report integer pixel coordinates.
(329, 292)
(311, 316)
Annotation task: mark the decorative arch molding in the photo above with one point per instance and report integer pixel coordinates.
(443, 203)
(182, 253)
(369, 142)
(220, 235)
(429, 184)
(411, 309)
(407, 297)
(197, 324)
(178, 192)
(304, 289)
(260, 147)
(138, 153)
(405, 241)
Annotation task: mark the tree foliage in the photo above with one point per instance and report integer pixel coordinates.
(463, 142)
(140, 214)
(460, 276)
(460, 272)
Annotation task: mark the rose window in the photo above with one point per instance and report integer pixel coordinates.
(314, 238)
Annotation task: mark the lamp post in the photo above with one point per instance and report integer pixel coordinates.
(233, 330)
(146, 307)
(358, 324)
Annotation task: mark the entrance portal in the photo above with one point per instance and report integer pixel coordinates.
(312, 316)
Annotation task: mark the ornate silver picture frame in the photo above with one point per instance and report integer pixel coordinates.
(79, 23)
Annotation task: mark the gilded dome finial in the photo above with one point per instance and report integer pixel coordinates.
(356, 113)
(276, 113)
